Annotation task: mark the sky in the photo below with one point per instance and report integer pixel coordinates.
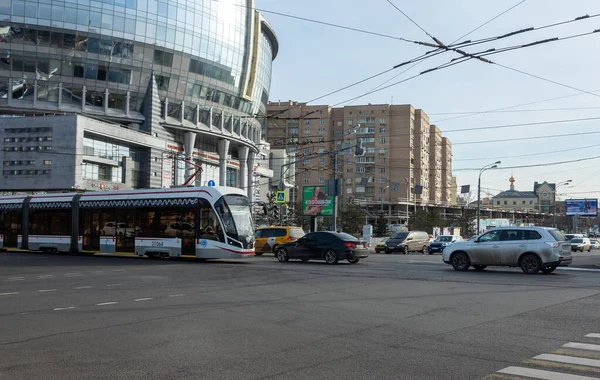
(315, 59)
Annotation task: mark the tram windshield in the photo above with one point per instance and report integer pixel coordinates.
(234, 211)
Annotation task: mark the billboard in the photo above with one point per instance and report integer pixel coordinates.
(315, 202)
(582, 207)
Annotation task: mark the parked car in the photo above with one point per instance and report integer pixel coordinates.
(380, 247)
(571, 236)
(595, 244)
(267, 239)
(581, 244)
(530, 248)
(442, 242)
(406, 242)
(179, 229)
(325, 245)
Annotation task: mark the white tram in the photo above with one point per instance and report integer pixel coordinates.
(201, 222)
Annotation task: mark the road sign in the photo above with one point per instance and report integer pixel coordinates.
(211, 183)
(518, 223)
(280, 197)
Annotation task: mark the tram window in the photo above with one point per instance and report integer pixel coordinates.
(50, 222)
(148, 223)
(170, 224)
(208, 218)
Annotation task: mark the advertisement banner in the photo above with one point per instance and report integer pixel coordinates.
(582, 207)
(315, 202)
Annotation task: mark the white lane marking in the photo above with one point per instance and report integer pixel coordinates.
(545, 375)
(16, 279)
(578, 269)
(73, 275)
(592, 336)
(569, 360)
(177, 295)
(119, 270)
(10, 294)
(97, 272)
(114, 285)
(45, 276)
(583, 346)
(106, 303)
(47, 290)
(82, 287)
(141, 299)
(64, 308)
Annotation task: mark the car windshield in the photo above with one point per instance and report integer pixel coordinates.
(444, 239)
(296, 232)
(234, 210)
(400, 235)
(577, 240)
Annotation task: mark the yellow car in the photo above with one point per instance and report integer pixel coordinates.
(267, 239)
(380, 247)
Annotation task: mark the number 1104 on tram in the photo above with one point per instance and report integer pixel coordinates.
(201, 222)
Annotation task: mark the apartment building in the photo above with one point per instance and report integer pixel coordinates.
(399, 144)
(435, 165)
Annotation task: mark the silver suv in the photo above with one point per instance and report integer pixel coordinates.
(531, 248)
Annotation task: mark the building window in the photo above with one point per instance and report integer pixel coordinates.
(349, 161)
(382, 160)
(350, 122)
(382, 190)
(348, 190)
(523, 202)
(339, 133)
(47, 162)
(497, 202)
(322, 121)
(382, 130)
(321, 131)
(340, 123)
(163, 58)
(349, 170)
(514, 202)
(382, 180)
(505, 202)
(307, 131)
(306, 180)
(307, 121)
(307, 161)
(382, 121)
(321, 179)
(382, 151)
(307, 150)
(381, 170)
(530, 202)
(360, 169)
(321, 150)
(322, 160)
(382, 140)
(162, 82)
(348, 181)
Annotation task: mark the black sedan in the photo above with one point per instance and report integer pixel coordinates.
(329, 246)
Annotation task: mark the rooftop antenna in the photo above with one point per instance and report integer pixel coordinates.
(392, 103)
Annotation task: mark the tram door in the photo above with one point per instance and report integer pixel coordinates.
(90, 229)
(10, 227)
(188, 232)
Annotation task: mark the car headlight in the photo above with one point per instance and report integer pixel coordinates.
(444, 244)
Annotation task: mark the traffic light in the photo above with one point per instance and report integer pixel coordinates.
(276, 213)
(359, 150)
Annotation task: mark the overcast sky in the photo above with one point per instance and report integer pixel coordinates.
(315, 59)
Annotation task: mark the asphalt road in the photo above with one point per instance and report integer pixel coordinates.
(388, 317)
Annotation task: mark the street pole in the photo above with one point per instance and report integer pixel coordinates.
(483, 169)
(407, 199)
(335, 193)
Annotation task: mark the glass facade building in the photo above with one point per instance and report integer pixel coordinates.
(192, 73)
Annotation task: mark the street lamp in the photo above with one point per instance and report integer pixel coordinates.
(567, 182)
(483, 169)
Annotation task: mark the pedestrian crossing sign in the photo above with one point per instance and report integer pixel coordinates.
(280, 197)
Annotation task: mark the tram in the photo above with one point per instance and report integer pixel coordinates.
(201, 222)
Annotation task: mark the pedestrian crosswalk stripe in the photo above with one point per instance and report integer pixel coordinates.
(569, 360)
(583, 346)
(577, 353)
(543, 375)
(592, 336)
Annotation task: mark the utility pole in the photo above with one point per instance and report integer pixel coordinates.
(335, 193)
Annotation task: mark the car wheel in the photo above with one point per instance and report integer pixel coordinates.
(282, 255)
(460, 261)
(530, 264)
(258, 253)
(331, 257)
(275, 249)
(405, 251)
(354, 261)
(479, 267)
(424, 249)
(548, 270)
